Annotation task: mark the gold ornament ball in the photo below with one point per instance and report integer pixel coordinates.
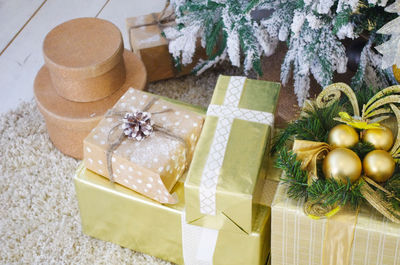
(396, 73)
(381, 139)
(343, 136)
(341, 163)
(378, 165)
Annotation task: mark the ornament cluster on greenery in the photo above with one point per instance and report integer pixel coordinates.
(354, 152)
(342, 163)
(312, 30)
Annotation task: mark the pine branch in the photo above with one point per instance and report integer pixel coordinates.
(251, 5)
(295, 177)
(342, 18)
(313, 126)
(393, 186)
(369, 17)
(332, 192)
(365, 94)
(362, 149)
(213, 36)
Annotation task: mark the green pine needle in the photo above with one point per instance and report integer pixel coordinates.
(313, 126)
(362, 149)
(332, 192)
(393, 186)
(294, 175)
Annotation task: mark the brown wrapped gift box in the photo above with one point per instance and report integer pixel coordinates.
(153, 165)
(148, 43)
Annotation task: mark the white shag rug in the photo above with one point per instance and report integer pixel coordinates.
(39, 216)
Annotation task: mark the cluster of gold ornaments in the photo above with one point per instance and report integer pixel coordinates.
(342, 162)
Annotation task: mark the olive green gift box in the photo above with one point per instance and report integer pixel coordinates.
(227, 162)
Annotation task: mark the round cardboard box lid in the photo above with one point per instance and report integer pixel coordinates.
(76, 114)
(84, 46)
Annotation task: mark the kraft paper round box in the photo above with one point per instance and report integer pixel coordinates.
(69, 122)
(84, 58)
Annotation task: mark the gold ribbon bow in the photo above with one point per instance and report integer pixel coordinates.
(309, 153)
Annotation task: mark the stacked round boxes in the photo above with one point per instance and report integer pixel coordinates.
(86, 71)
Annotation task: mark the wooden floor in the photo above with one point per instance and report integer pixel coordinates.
(25, 23)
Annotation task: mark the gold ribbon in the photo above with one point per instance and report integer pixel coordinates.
(309, 152)
(339, 237)
(113, 145)
(356, 123)
(374, 197)
(340, 228)
(317, 210)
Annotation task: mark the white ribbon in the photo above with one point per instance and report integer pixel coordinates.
(226, 113)
(198, 243)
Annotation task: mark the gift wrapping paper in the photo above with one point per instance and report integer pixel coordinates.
(345, 238)
(153, 165)
(114, 213)
(269, 183)
(147, 42)
(230, 154)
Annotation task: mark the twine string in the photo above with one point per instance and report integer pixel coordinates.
(160, 20)
(113, 145)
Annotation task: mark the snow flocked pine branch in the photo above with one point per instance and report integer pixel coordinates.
(312, 30)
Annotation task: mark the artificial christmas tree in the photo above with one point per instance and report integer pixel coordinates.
(313, 31)
(391, 49)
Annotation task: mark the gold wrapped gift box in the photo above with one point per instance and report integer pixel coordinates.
(114, 213)
(151, 166)
(345, 238)
(225, 170)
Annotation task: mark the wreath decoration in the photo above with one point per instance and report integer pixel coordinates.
(338, 158)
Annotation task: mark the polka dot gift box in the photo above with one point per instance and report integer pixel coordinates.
(144, 143)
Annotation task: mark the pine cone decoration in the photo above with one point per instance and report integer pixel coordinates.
(137, 125)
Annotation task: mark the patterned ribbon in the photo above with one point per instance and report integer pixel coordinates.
(226, 114)
(198, 243)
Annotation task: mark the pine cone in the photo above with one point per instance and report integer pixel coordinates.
(137, 125)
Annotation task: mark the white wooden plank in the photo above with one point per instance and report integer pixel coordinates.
(117, 11)
(13, 16)
(21, 61)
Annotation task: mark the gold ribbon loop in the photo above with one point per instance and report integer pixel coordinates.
(317, 210)
(309, 152)
(332, 93)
